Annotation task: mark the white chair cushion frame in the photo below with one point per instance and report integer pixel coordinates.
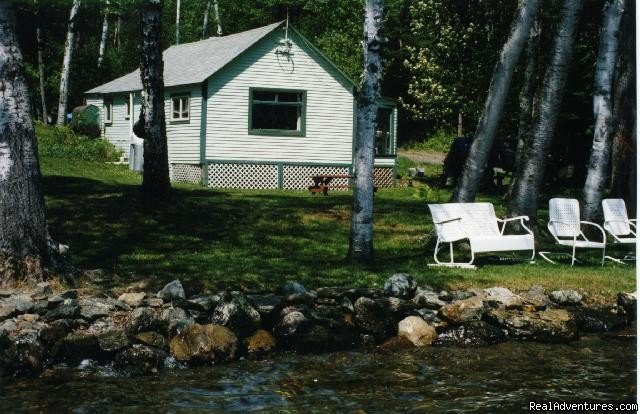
(566, 228)
(616, 221)
(478, 223)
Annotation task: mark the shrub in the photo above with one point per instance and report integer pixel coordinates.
(440, 141)
(62, 142)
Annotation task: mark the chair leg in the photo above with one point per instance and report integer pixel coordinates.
(573, 255)
(451, 252)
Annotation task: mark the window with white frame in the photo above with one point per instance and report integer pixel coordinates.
(277, 112)
(108, 110)
(127, 107)
(180, 107)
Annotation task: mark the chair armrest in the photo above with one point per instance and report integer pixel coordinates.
(522, 220)
(441, 227)
(604, 235)
(447, 221)
(553, 233)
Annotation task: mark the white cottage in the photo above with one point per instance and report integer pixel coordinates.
(251, 110)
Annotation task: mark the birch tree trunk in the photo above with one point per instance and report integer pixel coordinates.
(155, 177)
(494, 105)
(598, 167)
(177, 22)
(23, 234)
(105, 33)
(530, 173)
(43, 97)
(527, 93)
(205, 23)
(624, 112)
(66, 63)
(216, 13)
(361, 237)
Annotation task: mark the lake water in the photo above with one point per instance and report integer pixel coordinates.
(496, 379)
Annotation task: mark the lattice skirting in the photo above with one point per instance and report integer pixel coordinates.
(256, 176)
(298, 177)
(294, 177)
(383, 177)
(185, 173)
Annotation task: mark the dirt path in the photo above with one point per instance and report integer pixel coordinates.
(427, 157)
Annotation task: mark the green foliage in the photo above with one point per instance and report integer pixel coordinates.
(439, 141)
(62, 142)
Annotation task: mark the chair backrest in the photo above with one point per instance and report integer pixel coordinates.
(477, 219)
(615, 216)
(564, 217)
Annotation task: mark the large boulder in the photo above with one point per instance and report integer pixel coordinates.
(260, 344)
(400, 285)
(416, 330)
(95, 308)
(474, 333)
(465, 310)
(268, 306)
(292, 324)
(68, 309)
(536, 298)
(204, 343)
(144, 319)
(171, 291)
(237, 314)
(501, 297)
(552, 325)
(599, 319)
(176, 320)
(373, 317)
(140, 359)
(427, 298)
(566, 297)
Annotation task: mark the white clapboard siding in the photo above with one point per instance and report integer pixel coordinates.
(183, 137)
(119, 130)
(329, 107)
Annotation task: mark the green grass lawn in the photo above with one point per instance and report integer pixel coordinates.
(256, 240)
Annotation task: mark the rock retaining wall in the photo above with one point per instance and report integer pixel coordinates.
(139, 332)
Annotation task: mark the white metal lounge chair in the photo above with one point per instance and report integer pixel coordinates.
(566, 228)
(478, 223)
(618, 224)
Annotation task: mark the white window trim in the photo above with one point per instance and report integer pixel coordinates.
(180, 108)
(108, 112)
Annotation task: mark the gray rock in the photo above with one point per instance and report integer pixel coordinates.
(552, 325)
(176, 320)
(140, 359)
(205, 303)
(292, 325)
(55, 331)
(133, 299)
(78, 345)
(373, 317)
(536, 297)
(474, 333)
(331, 292)
(43, 288)
(94, 308)
(113, 339)
(355, 293)
(144, 319)
(292, 288)
(237, 314)
(22, 303)
(502, 297)
(347, 305)
(566, 297)
(431, 317)
(153, 339)
(600, 319)
(171, 291)
(629, 302)
(204, 343)
(69, 309)
(22, 352)
(416, 330)
(60, 297)
(454, 295)
(464, 310)
(7, 311)
(400, 285)
(427, 298)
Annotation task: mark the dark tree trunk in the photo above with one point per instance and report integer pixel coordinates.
(216, 13)
(43, 98)
(66, 63)
(598, 167)
(527, 93)
(23, 234)
(205, 22)
(155, 178)
(361, 237)
(530, 173)
(624, 150)
(494, 104)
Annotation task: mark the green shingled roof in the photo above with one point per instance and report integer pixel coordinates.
(194, 62)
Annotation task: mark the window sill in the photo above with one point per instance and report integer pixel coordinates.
(276, 132)
(390, 156)
(179, 121)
